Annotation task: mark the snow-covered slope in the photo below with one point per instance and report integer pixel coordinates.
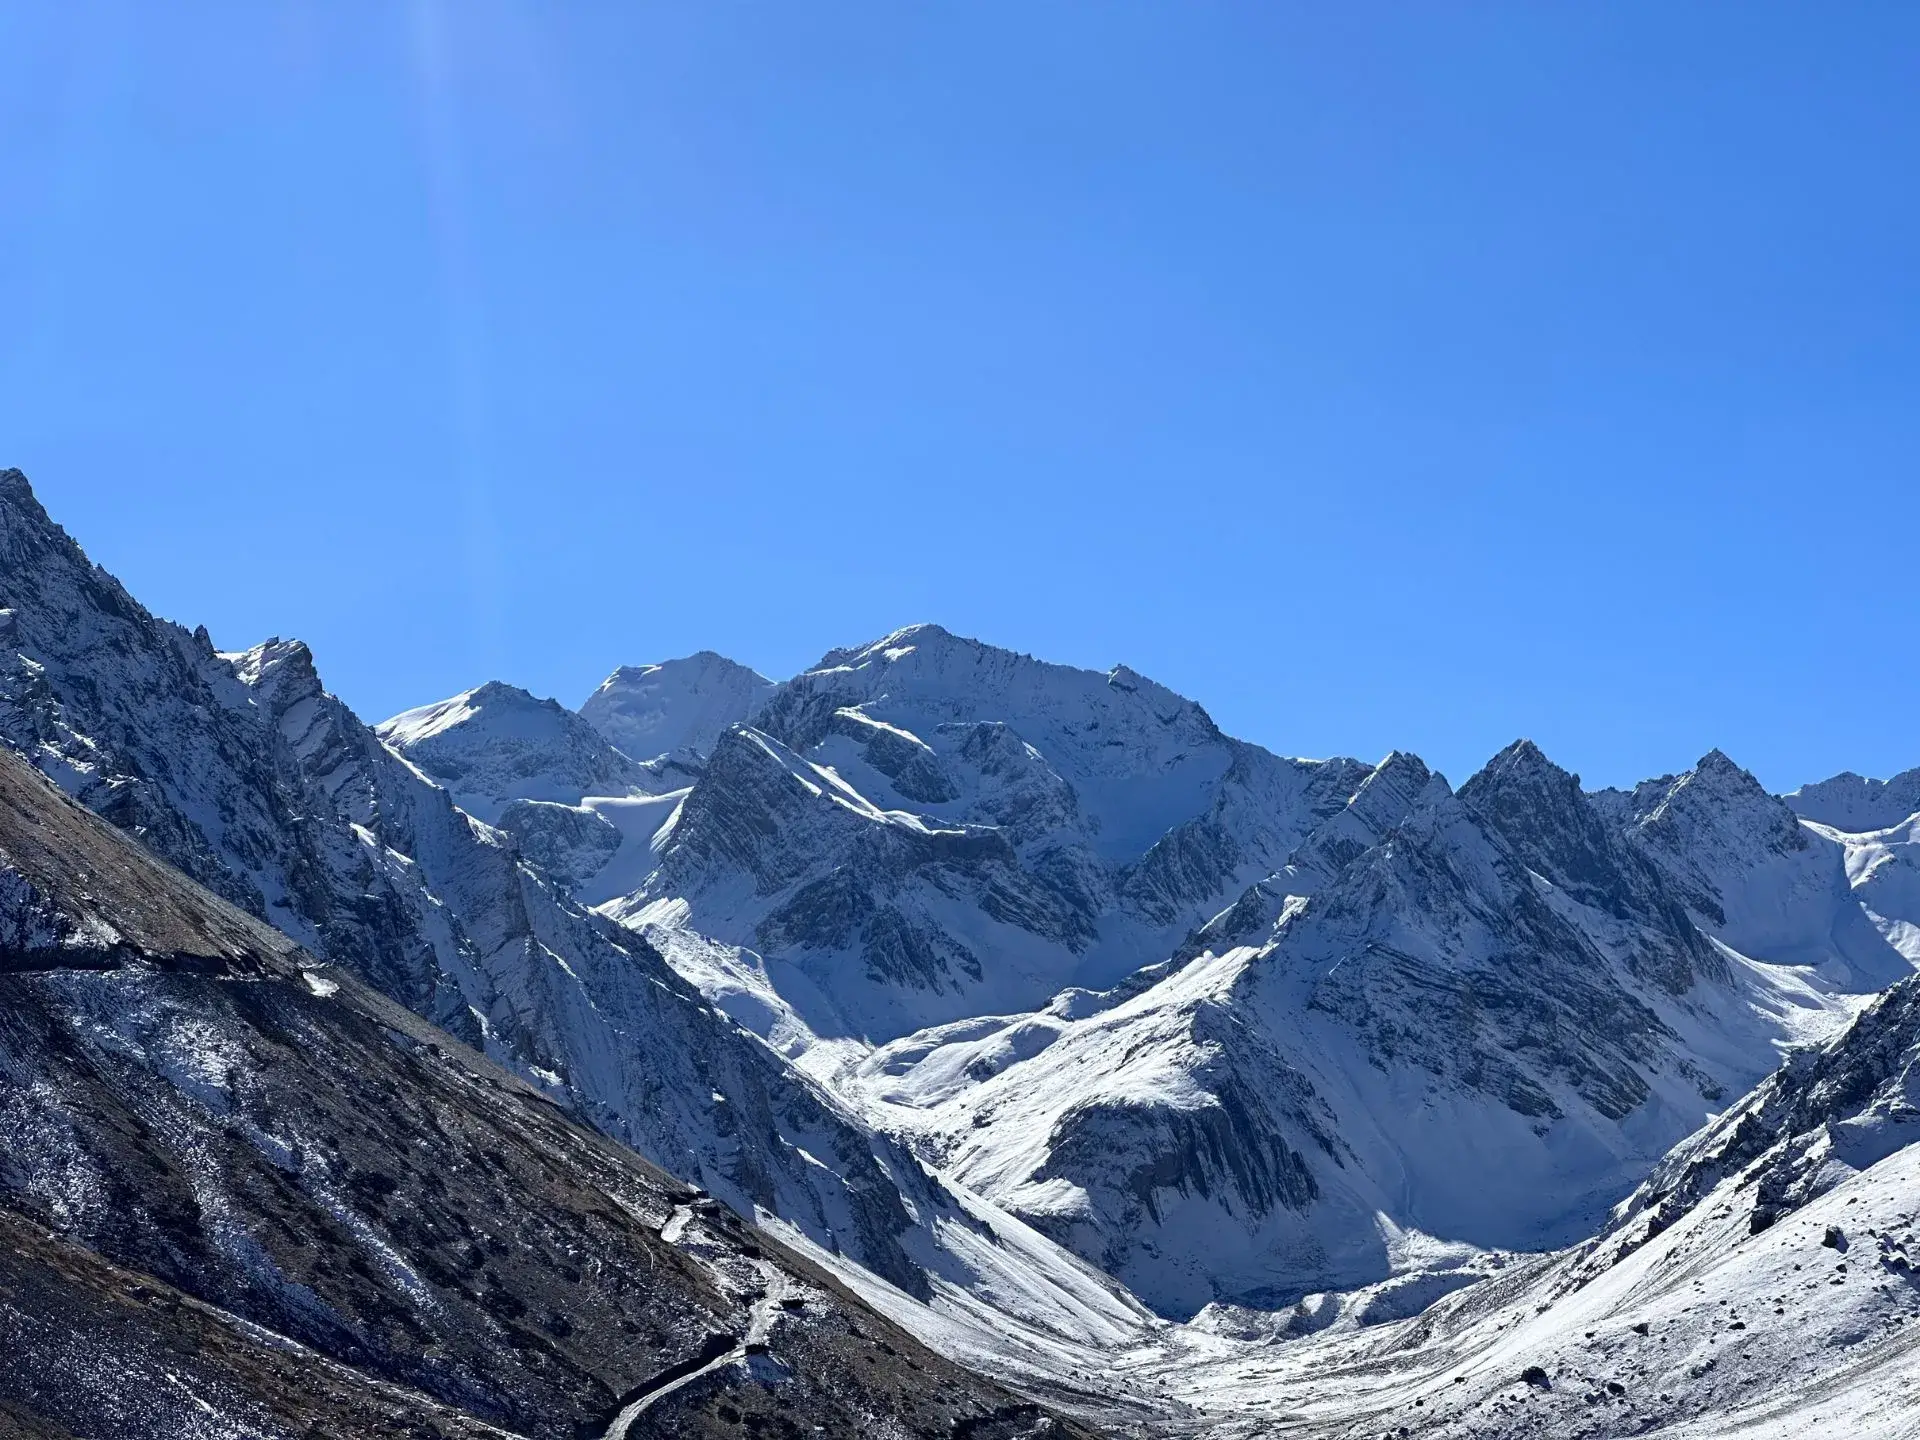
(243, 765)
(497, 744)
(1762, 1282)
(678, 707)
(1478, 1031)
(1855, 804)
(1223, 1024)
(583, 811)
(241, 1195)
(929, 828)
(242, 770)
(1883, 868)
(1040, 958)
(1754, 875)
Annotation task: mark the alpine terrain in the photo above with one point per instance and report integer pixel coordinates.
(939, 1041)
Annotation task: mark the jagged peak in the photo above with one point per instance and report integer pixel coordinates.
(22, 515)
(1396, 764)
(504, 692)
(1521, 765)
(1396, 782)
(273, 651)
(272, 666)
(1717, 762)
(1719, 779)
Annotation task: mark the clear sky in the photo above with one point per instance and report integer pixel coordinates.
(1415, 375)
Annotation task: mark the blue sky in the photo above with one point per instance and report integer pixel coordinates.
(1411, 375)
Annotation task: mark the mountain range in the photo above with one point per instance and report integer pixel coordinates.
(1156, 1076)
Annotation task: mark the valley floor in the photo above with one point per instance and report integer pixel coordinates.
(1811, 1327)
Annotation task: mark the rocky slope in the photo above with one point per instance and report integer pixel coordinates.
(924, 828)
(1479, 1030)
(928, 828)
(1368, 977)
(243, 1195)
(1761, 1283)
(244, 772)
(1024, 959)
(1753, 875)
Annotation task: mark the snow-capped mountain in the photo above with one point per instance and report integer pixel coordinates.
(1197, 1012)
(497, 744)
(1760, 1283)
(1856, 804)
(580, 809)
(1010, 991)
(241, 1195)
(243, 771)
(678, 707)
(929, 828)
(1753, 875)
(1480, 1030)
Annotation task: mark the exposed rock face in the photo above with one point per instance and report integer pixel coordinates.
(1480, 1016)
(928, 827)
(570, 843)
(243, 771)
(242, 1194)
(1826, 1113)
(1540, 810)
(1230, 1026)
(1759, 879)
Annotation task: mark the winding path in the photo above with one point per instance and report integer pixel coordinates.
(760, 1317)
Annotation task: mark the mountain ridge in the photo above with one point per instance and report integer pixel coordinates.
(1008, 991)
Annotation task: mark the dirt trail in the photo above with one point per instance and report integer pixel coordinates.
(774, 1286)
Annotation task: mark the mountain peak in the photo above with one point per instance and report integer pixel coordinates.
(1717, 762)
(273, 663)
(423, 722)
(1856, 804)
(898, 645)
(21, 510)
(1524, 758)
(1522, 765)
(674, 706)
(498, 743)
(1717, 773)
